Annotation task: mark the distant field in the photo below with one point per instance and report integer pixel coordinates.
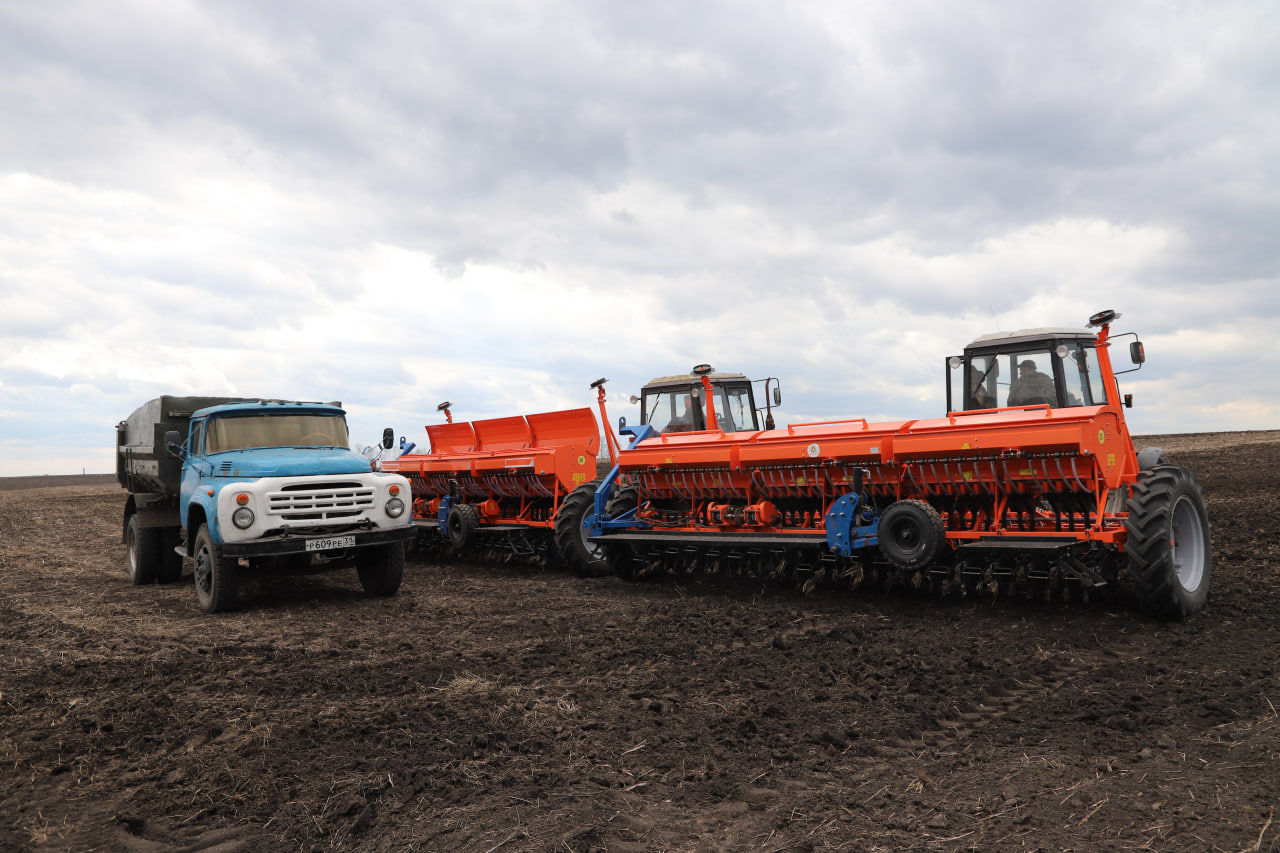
(49, 480)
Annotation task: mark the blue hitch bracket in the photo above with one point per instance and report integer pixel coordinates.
(844, 533)
(597, 523)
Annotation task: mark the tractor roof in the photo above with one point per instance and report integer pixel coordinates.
(685, 379)
(1021, 336)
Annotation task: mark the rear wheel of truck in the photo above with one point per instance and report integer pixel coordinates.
(215, 575)
(1170, 554)
(170, 559)
(584, 556)
(381, 568)
(143, 547)
(911, 535)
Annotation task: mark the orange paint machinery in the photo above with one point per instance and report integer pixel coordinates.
(1029, 483)
(522, 483)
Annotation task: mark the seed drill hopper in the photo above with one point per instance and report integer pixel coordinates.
(521, 484)
(1030, 484)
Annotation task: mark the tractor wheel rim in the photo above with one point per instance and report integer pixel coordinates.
(1186, 544)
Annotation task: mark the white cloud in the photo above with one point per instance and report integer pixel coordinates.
(498, 203)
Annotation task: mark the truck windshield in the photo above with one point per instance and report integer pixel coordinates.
(292, 430)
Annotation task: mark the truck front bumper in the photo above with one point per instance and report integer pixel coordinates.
(274, 546)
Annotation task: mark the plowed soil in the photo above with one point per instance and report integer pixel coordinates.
(498, 707)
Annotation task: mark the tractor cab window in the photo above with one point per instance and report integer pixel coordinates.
(1082, 376)
(673, 410)
(1031, 380)
(999, 379)
(735, 408)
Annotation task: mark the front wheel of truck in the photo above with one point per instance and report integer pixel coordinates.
(381, 568)
(215, 575)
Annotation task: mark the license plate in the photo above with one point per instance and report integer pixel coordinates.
(329, 543)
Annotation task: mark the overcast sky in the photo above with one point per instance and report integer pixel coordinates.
(398, 203)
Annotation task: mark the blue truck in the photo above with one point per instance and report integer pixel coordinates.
(247, 486)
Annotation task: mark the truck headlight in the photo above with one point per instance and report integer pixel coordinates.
(242, 518)
(395, 507)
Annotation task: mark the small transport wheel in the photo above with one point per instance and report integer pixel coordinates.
(215, 575)
(143, 547)
(1170, 553)
(911, 535)
(461, 526)
(381, 568)
(585, 557)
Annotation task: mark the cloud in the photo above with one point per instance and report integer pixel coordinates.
(497, 203)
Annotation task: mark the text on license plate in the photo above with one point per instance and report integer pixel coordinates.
(328, 543)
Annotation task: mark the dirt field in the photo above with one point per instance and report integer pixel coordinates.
(497, 708)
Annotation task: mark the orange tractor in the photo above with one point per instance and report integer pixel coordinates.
(1030, 484)
(519, 484)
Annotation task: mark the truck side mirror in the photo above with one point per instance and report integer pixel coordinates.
(622, 423)
(777, 396)
(1136, 353)
(173, 442)
(388, 438)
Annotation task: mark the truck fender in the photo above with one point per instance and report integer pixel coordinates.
(201, 512)
(130, 509)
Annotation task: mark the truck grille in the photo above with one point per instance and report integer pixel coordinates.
(320, 501)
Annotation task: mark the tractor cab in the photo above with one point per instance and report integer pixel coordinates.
(1055, 367)
(678, 403)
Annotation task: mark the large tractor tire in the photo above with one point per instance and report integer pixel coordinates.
(621, 560)
(460, 526)
(622, 499)
(911, 535)
(585, 557)
(142, 545)
(1170, 553)
(216, 577)
(381, 568)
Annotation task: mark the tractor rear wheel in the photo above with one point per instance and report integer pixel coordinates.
(584, 556)
(621, 559)
(622, 499)
(911, 535)
(461, 526)
(1170, 553)
(143, 547)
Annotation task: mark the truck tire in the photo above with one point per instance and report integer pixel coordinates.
(585, 557)
(911, 535)
(1169, 548)
(381, 568)
(170, 569)
(461, 526)
(142, 545)
(215, 575)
